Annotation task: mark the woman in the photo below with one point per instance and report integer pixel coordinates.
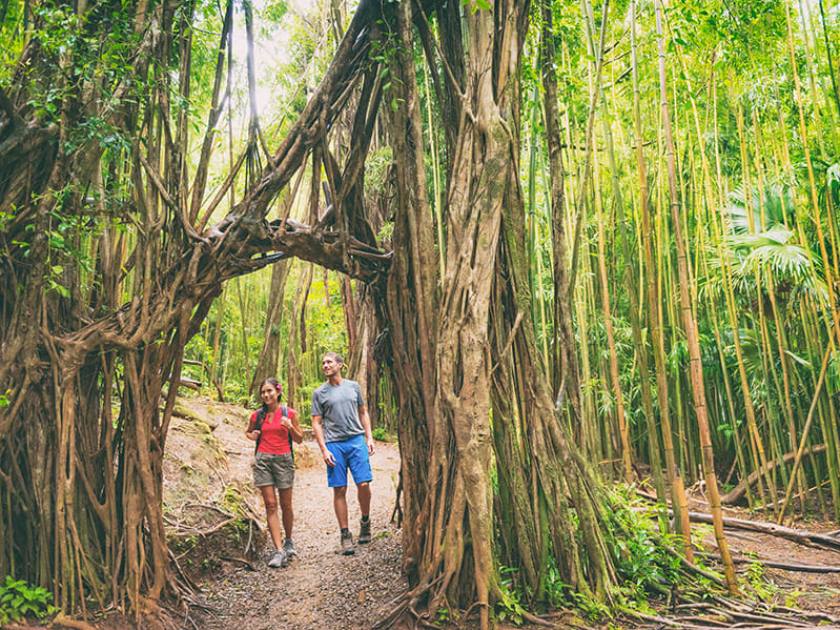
(273, 427)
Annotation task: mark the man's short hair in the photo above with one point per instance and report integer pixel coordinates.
(335, 357)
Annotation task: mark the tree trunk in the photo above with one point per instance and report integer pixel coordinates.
(80, 485)
(270, 352)
(485, 358)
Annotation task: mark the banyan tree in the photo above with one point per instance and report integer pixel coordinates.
(113, 247)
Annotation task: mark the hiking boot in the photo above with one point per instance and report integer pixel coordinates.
(278, 559)
(289, 548)
(364, 532)
(347, 548)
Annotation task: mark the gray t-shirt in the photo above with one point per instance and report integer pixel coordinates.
(338, 406)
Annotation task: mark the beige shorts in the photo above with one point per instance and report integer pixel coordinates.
(274, 470)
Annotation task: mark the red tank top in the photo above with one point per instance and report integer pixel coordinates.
(274, 437)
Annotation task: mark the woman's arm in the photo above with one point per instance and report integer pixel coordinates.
(252, 433)
(293, 426)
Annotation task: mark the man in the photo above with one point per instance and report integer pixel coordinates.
(341, 425)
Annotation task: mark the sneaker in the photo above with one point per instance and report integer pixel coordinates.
(278, 559)
(364, 533)
(347, 548)
(289, 548)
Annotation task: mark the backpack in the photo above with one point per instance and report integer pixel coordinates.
(284, 410)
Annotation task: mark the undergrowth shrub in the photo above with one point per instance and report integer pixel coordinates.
(19, 600)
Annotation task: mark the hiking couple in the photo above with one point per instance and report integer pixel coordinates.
(342, 429)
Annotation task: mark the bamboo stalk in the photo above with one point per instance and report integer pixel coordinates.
(675, 480)
(695, 364)
(798, 459)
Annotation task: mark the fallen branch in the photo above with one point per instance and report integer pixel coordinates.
(241, 561)
(186, 530)
(738, 492)
(827, 541)
(801, 536)
(785, 566)
(798, 496)
(186, 381)
(190, 586)
(791, 566)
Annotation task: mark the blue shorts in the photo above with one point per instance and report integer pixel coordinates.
(351, 453)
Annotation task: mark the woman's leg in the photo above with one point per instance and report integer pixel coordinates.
(286, 507)
(270, 500)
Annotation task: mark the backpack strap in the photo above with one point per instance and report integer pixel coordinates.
(285, 411)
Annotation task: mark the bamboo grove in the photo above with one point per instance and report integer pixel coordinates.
(566, 245)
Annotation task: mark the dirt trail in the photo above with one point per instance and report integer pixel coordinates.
(818, 592)
(319, 589)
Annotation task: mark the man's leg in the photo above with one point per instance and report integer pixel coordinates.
(364, 498)
(359, 461)
(337, 480)
(340, 505)
(364, 505)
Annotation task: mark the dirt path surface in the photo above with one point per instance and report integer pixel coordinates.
(208, 455)
(319, 589)
(817, 592)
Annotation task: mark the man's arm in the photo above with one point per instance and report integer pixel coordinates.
(318, 430)
(365, 418)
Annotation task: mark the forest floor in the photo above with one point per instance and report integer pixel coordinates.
(807, 591)
(215, 520)
(319, 588)
(208, 457)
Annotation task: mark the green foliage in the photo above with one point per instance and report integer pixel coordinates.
(642, 562)
(377, 169)
(746, 32)
(381, 434)
(559, 595)
(754, 579)
(766, 208)
(644, 559)
(275, 10)
(385, 52)
(763, 238)
(477, 5)
(19, 600)
(442, 615)
(509, 606)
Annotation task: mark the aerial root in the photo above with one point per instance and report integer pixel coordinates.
(407, 608)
